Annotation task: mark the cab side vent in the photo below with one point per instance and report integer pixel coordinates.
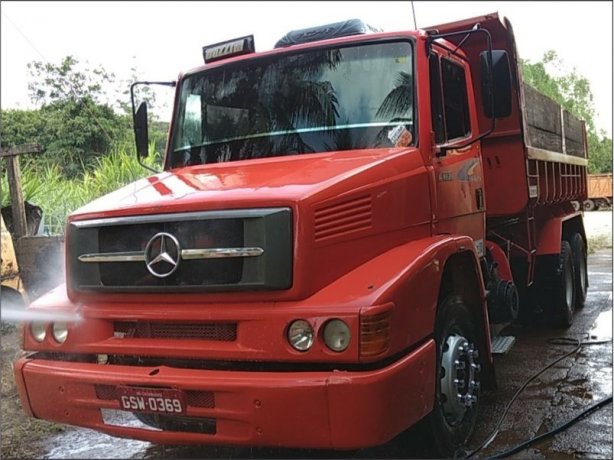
(344, 218)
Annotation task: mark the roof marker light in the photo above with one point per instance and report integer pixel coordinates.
(229, 48)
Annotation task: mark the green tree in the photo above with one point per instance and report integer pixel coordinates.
(77, 123)
(67, 80)
(572, 90)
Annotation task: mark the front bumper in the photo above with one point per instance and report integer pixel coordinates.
(338, 409)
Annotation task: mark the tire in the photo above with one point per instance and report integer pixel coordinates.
(557, 290)
(576, 205)
(578, 254)
(453, 419)
(589, 205)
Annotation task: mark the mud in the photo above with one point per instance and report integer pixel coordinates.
(557, 396)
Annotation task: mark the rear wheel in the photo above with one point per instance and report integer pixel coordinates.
(457, 380)
(589, 205)
(578, 252)
(557, 290)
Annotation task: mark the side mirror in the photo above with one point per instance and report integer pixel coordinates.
(141, 133)
(496, 84)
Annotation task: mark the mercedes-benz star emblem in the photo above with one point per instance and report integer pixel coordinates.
(162, 255)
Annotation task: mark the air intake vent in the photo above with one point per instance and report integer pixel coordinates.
(343, 218)
(222, 332)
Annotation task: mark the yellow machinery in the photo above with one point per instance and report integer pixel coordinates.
(12, 290)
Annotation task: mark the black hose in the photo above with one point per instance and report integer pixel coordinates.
(556, 430)
(555, 341)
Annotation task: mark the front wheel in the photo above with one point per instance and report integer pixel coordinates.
(458, 377)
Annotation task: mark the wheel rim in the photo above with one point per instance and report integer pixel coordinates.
(459, 381)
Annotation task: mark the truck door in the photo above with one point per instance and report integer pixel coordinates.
(458, 172)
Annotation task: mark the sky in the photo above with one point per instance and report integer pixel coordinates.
(163, 38)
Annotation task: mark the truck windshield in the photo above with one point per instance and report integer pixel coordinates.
(351, 97)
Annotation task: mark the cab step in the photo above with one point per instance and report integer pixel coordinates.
(502, 344)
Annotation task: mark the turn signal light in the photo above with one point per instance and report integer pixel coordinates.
(374, 334)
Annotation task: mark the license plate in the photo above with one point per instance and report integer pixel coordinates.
(156, 400)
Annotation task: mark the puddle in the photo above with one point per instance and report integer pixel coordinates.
(84, 443)
(602, 328)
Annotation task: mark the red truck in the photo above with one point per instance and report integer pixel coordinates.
(342, 226)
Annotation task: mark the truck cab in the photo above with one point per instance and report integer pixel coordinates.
(339, 223)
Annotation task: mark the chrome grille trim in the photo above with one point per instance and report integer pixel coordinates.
(186, 254)
(132, 256)
(220, 253)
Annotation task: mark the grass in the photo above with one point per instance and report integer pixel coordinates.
(595, 243)
(58, 196)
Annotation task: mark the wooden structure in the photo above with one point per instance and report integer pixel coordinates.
(20, 227)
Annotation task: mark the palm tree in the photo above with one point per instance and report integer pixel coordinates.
(399, 101)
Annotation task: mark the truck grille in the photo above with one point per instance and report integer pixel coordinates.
(227, 233)
(203, 251)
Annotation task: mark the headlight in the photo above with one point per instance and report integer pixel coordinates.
(337, 335)
(300, 335)
(60, 331)
(38, 329)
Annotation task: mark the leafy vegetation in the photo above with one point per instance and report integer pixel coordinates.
(83, 115)
(573, 92)
(83, 121)
(58, 196)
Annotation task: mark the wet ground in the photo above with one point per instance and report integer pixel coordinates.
(557, 396)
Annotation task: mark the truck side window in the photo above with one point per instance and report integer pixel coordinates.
(455, 99)
(436, 100)
(449, 106)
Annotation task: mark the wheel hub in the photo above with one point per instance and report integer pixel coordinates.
(459, 381)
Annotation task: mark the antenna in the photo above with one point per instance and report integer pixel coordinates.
(413, 12)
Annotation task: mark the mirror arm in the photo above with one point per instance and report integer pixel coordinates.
(172, 84)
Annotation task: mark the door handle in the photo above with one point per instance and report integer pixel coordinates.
(479, 198)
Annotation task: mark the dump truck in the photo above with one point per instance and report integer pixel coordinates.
(343, 226)
(599, 192)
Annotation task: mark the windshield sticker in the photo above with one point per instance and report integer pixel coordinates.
(399, 136)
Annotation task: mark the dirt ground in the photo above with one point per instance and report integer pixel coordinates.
(17, 427)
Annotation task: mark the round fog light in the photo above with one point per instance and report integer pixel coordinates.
(300, 335)
(337, 335)
(38, 329)
(60, 331)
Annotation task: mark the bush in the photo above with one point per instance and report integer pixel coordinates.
(57, 196)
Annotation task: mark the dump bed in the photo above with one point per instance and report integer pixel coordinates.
(600, 186)
(535, 157)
